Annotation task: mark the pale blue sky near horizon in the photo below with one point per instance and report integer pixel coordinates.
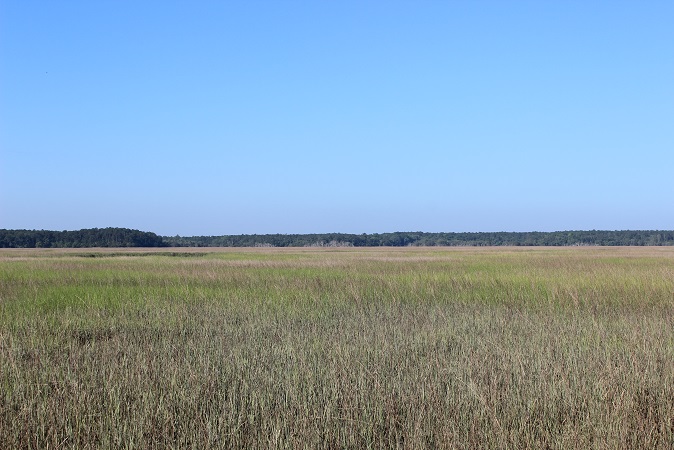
(237, 117)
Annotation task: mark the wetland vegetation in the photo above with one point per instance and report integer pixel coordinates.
(337, 348)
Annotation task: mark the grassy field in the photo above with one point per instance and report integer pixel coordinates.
(361, 348)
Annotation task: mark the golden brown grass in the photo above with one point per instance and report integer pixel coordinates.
(353, 348)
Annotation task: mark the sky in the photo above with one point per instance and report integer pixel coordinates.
(241, 117)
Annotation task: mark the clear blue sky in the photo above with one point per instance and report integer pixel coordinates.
(230, 117)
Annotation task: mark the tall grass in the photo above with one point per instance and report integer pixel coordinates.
(359, 348)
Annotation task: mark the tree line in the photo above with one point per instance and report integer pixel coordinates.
(400, 239)
(124, 237)
(92, 237)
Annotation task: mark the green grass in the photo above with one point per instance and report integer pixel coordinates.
(359, 348)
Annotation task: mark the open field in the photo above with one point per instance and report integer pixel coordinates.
(343, 348)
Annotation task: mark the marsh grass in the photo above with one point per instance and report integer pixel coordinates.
(358, 348)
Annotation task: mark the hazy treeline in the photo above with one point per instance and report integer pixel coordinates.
(398, 239)
(124, 237)
(93, 237)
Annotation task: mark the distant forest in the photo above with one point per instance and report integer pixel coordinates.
(124, 237)
(400, 239)
(93, 237)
